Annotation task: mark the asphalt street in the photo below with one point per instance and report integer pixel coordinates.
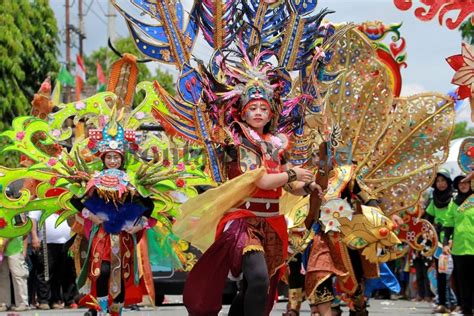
(377, 307)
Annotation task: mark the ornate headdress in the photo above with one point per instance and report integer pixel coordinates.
(112, 137)
(238, 77)
(248, 79)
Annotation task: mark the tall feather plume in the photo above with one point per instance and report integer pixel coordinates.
(267, 21)
(219, 21)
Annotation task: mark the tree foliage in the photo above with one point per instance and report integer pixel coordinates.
(107, 57)
(462, 130)
(467, 31)
(28, 54)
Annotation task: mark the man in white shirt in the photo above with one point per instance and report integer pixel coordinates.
(57, 285)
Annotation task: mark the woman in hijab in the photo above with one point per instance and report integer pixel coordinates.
(438, 209)
(460, 220)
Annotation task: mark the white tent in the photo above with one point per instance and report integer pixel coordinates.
(452, 162)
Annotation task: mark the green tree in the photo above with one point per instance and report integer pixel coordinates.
(467, 31)
(124, 45)
(28, 54)
(166, 80)
(461, 130)
(28, 51)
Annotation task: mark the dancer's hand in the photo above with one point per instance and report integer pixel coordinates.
(316, 187)
(96, 219)
(446, 250)
(35, 243)
(303, 175)
(470, 176)
(79, 175)
(134, 229)
(91, 216)
(397, 220)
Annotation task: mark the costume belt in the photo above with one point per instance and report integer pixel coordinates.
(260, 207)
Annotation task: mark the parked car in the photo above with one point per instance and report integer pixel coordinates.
(170, 281)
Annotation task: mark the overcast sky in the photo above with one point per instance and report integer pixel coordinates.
(427, 43)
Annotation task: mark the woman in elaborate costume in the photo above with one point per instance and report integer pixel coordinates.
(216, 107)
(373, 166)
(116, 216)
(119, 181)
(251, 237)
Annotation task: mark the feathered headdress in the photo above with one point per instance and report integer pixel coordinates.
(112, 137)
(239, 76)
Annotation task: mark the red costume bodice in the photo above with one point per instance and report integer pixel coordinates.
(250, 152)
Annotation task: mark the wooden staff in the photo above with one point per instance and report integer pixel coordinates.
(44, 245)
(322, 178)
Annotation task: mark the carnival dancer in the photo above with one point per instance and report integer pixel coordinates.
(372, 167)
(233, 106)
(251, 237)
(117, 212)
(460, 221)
(324, 259)
(353, 101)
(116, 216)
(297, 242)
(295, 286)
(114, 183)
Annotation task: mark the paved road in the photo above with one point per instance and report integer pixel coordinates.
(377, 307)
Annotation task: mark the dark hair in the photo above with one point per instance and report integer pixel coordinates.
(457, 180)
(461, 196)
(448, 180)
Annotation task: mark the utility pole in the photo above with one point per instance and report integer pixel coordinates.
(79, 31)
(68, 38)
(111, 33)
(68, 49)
(81, 28)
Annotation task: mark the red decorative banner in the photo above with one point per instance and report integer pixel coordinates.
(431, 8)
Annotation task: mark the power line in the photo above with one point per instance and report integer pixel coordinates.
(99, 17)
(89, 7)
(102, 9)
